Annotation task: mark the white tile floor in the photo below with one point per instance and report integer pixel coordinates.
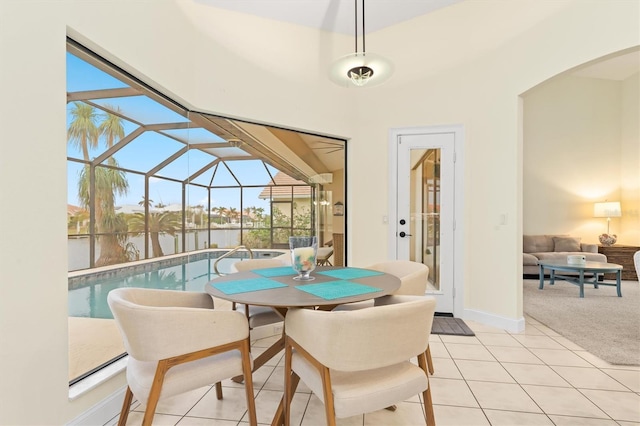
(495, 378)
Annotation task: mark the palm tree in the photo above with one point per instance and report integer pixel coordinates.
(247, 214)
(233, 213)
(159, 223)
(112, 227)
(145, 203)
(84, 133)
(223, 213)
(111, 127)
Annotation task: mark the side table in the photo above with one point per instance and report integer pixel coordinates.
(622, 255)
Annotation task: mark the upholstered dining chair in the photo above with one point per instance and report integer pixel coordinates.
(360, 361)
(414, 277)
(177, 342)
(257, 315)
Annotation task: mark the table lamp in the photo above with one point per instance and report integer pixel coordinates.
(608, 210)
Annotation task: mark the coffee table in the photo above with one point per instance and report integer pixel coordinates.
(589, 268)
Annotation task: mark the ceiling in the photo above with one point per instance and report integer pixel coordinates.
(338, 16)
(333, 15)
(326, 154)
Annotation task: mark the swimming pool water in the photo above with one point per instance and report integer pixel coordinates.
(88, 293)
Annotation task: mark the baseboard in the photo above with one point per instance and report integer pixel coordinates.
(509, 324)
(102, 412)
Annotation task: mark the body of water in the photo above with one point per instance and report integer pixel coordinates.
(88, 292)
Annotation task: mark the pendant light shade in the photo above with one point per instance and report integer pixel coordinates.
(360, 68)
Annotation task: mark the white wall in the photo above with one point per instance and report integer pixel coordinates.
(475, 59)
(572, 156)
(630, 161)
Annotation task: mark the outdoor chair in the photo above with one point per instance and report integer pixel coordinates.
(177, 342)
(322, 258)
(360, 361)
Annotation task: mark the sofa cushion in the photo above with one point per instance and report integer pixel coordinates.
(564, 244)
(562, 257)
(537, 243)
(529, 260)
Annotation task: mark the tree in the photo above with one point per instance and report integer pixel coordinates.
(145, 203)
(83, 131)
(111, 229)
(233, 213)
(223, 213)
(159, 223)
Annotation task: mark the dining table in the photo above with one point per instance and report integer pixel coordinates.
(279, 289)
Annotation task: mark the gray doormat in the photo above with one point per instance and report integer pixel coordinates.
(451, 326)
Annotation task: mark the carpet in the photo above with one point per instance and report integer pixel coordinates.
(602, 323)
(451, 326)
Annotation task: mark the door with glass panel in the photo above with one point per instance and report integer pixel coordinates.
(424, 220)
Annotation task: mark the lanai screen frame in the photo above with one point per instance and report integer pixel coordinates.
(218, 125)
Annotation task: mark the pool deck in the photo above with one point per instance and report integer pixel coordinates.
(94, 341)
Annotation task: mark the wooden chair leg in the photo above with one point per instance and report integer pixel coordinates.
(154, 393)
(426, 395)
(329, 408)
(287, 397)
(248, 383)
(126, 407)
(219, 390)
(429, 361)
(428, 406)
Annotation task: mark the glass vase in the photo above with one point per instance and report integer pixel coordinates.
(303, 256)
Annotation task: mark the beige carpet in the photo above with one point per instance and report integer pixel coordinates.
(602, 323)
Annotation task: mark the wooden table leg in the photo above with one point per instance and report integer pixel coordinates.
(278, 417)
(265, 356)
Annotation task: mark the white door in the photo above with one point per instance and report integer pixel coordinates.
(424, 219)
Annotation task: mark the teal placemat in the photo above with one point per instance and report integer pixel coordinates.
(337, 289)
(275, 272)
(350, 273)
(243, 286)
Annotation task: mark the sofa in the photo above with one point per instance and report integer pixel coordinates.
(554, 248)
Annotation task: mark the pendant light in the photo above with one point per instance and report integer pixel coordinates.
(360, 68)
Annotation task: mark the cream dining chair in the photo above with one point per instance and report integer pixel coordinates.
(359, 361)
(177, 342)
(258, 315)
(414, 277)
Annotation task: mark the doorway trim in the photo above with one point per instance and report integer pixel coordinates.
(458, 201)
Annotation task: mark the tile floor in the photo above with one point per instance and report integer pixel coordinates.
(495, 378)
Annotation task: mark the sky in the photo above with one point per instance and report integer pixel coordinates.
(150, 149)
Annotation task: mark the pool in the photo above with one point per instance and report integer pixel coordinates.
(88, 292)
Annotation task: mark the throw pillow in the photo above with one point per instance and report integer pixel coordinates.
(566, 244)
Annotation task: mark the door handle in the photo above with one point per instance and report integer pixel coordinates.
(404, 234)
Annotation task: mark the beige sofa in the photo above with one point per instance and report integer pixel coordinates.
(554, 248)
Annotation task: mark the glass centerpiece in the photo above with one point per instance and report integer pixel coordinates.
(303, 256)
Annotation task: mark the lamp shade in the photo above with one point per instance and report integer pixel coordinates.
(608, 209)
(378, 68)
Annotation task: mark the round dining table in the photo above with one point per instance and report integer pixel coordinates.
(290, 293)
(276, 288)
